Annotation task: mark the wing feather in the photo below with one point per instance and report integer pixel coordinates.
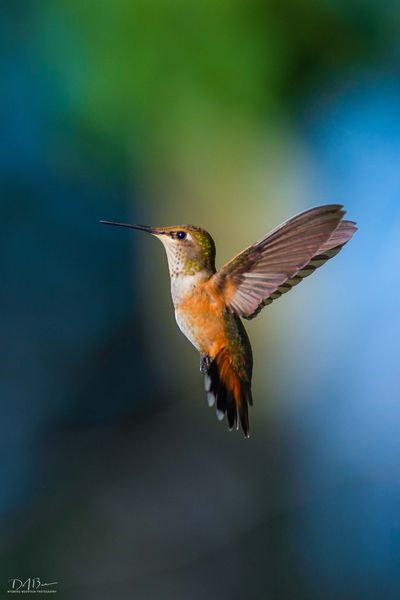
(281, 259)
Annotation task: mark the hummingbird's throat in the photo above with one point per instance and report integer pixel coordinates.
(184, 262)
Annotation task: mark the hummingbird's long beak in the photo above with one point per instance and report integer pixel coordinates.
(140, 227)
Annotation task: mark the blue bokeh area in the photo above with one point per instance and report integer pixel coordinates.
(349, 423)
(117, 481)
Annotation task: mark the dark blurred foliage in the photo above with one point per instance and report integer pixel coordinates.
(116, 480)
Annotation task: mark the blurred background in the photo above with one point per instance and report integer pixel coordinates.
(116, 479)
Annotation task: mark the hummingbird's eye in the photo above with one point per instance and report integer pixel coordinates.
(180, 235)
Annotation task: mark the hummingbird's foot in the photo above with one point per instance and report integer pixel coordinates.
(205, 362)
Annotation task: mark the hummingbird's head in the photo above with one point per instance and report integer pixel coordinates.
(189, 249)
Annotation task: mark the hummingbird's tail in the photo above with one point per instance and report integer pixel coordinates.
(231, 393)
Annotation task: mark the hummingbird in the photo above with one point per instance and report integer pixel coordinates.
(209, 304)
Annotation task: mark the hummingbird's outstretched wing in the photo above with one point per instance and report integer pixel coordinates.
(280, 260)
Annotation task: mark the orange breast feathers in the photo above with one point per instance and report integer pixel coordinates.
(201, 318)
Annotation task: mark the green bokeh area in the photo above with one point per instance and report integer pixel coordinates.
(145, 70)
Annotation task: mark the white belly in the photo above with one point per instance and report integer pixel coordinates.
(186, 329)
(180, 287)
(182, 284)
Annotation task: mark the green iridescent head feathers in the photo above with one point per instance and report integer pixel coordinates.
(190, 249)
